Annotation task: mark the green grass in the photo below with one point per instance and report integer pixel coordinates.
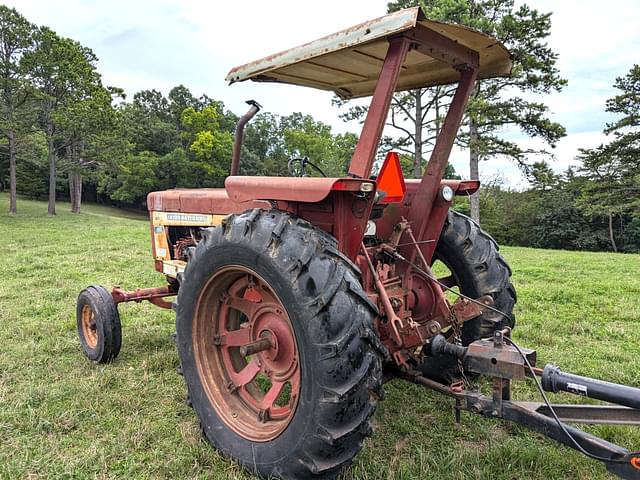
(62, 417)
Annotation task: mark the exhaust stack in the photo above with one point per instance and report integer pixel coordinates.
(237, 143)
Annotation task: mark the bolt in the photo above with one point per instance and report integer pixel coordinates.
(434, 327)
(234, 415)
(263, 416)
(232, 387)
(476, 408)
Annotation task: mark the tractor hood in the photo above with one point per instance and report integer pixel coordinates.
(349, 62)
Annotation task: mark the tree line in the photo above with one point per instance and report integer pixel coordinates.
(63, 131)
(65, 134)
(594, 206)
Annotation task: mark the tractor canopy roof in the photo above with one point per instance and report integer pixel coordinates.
(349, 62)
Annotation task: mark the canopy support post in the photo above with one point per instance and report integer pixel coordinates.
(365, 152)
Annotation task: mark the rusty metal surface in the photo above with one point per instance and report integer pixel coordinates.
(459, 187)
(393, 212)
(434, 44)
(465, 310)
(198, 200)
(246, 353)
(292, 66)
(484, 357)
(349, 62)
(367, 146)
(154, 295)
(293, 189)
(427, 195)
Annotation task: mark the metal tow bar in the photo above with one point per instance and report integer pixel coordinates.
(503, 360)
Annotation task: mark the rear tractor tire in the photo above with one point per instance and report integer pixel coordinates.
(276, 344)
(98, 324)
(477, 268)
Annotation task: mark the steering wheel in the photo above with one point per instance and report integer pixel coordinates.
(298, 167)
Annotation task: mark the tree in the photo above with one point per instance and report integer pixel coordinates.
(88, 128)
(626, 130)
(208, 144)
(627, 104)
(542, 176)
(180, 98)
(147, 129)
(137, 177)
(263, 150)
(31, 172)
(16, 38)
(612, 190)
(304, 136)
(63, 71)
(614, 168)
(496, 104)
(560, 223)
(416, 116)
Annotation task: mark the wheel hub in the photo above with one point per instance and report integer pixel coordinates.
(250, 371)
(279, 361)
(89, 328)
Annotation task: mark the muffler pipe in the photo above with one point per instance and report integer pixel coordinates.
(554, 380)
(239, 134)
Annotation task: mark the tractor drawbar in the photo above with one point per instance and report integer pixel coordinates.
(501, 360)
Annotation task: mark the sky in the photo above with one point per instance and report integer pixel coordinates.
(145, 44)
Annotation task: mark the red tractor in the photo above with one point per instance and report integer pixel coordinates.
(298, 297)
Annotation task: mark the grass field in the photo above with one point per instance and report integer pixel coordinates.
(62, 417)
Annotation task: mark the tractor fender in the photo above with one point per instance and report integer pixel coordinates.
(291, 189)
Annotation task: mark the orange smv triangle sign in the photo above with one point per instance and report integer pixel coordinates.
(391, 180)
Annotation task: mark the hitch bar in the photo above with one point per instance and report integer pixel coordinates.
(153, 295)
(497, 359)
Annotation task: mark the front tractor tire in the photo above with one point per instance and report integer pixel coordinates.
(276, 345)
(98, 324)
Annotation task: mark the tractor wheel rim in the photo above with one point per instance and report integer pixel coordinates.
(89, 330)
(246, 354)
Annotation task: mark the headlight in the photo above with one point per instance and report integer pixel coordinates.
(447, 193)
